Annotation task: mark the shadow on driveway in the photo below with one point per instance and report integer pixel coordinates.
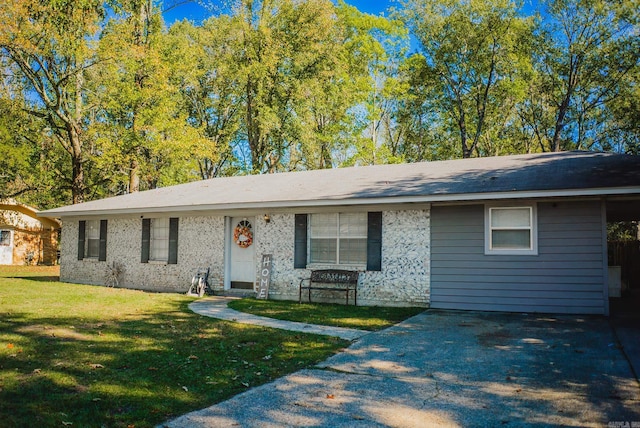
(449, 368)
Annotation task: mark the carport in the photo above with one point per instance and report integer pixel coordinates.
(624, 257)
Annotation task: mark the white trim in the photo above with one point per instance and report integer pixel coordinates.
(228, 236)
(533, 230)
(262, 205)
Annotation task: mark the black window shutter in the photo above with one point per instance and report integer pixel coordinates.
(374, 241)
(146, 238)
(82, 225)
(102, 255)
(300, 251)
(173, 241)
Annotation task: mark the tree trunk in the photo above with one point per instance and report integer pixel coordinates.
(73, 132)
(134, 176)
(77, 178)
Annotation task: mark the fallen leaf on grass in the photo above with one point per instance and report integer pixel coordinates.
(245, 384)
(96, 399)
(67, 423)
(10, 345)
(330, 396)
(96, 366)
(153, 369)
(193, 357)
(185, 389)
(36, 371)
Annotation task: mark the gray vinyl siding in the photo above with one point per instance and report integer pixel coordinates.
(565, 277)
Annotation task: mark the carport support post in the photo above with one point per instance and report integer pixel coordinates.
(605, 258)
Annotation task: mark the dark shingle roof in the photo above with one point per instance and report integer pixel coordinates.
(559, 174)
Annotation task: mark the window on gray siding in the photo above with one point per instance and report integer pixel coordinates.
(92, 239)
(338, 238)
(510, 230)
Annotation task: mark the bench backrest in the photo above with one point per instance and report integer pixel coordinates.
(335, 276)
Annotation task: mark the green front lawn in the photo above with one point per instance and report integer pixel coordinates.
(85, 356)
(370, 318)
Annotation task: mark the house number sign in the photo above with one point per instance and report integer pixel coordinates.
(265, 277)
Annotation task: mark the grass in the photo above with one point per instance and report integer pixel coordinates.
(371, 318)
(84, 356)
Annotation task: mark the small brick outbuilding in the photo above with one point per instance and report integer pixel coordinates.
(26, 238)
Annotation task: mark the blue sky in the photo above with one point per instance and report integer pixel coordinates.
(195, 12)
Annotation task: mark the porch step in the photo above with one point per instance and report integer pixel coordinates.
(236, 292)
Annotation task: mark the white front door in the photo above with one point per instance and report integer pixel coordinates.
(6, 247)
(243, 265)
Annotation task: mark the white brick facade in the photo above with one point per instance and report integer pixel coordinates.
(403, 281)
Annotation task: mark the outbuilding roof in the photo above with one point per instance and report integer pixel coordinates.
(504, 177)
(13, 205)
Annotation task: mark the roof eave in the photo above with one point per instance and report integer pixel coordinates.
(387, 200)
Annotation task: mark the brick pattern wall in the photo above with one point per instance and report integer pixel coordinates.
(200, 245)
(403, 281)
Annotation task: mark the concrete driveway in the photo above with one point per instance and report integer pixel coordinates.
(448, 368)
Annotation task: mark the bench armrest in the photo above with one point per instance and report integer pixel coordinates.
(305, 279)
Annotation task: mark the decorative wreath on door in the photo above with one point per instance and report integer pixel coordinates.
(242, 234)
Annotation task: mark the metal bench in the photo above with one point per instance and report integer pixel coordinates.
(332, 280)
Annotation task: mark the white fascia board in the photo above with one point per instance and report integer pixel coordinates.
(380, 201)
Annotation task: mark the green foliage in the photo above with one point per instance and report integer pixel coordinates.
(473, 67)
(17, 154)
(622, 231)
(100, 98)
(587, 58)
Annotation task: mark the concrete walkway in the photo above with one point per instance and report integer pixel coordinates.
(216, 307)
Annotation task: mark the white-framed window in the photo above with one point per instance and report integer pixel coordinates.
(511, 230)
(5, 238)
(159, 239)
(92, 239)
(338, 238)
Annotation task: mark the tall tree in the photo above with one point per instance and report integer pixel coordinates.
(475, 59)
(206, 72)
(587, 55)
(283, 47)
(142, 127)
(49, 44)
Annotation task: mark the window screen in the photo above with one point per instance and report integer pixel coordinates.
(338, 238)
